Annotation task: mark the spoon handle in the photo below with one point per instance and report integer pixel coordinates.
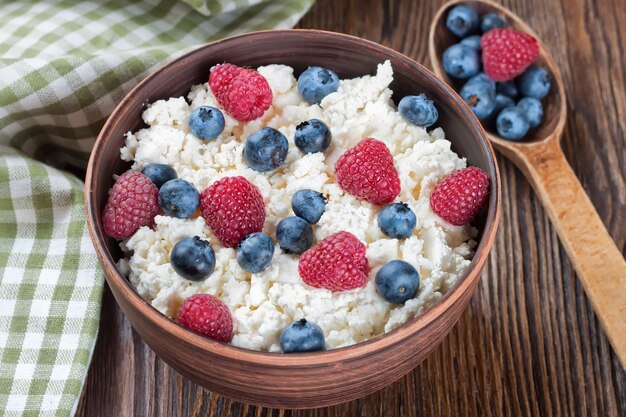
(595, 256)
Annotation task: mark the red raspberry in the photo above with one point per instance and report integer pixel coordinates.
(460, 196)
(366, 171)
(337, 263)
(133, 202)
(233, 208)
(507, 53)
(243, 93)
(207, 316)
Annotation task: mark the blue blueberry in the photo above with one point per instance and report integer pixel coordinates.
(482, 78)
(193, 258)
(295, 235)
(178, 198)
(472, 41)
(419, 110)
(462, 21)
(159, 174)
(302, 336)
(491, 21)
(461, 61)
(316, 83)
(397, 281)
(206, 122)
(508, 88)
(512, 124)
(480, 97)
(534, 82)
(312, 136)
(265, 150)
(532, 109)
(502, 102)
(396, 220)
(255, 252)
(308, 205)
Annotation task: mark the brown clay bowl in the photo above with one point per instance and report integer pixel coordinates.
(295, 380)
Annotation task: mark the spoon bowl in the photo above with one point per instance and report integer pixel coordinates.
(597, 260)
(554, 104)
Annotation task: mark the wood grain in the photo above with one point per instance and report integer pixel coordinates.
(529, 345)
(599, 263)
(591, 250)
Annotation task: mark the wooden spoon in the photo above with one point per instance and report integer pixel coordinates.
(597, 260)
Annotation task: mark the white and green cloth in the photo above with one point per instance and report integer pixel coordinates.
(63, 67)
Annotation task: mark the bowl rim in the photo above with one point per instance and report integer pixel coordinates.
(368, 347)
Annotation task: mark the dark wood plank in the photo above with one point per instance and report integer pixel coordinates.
(529, 345)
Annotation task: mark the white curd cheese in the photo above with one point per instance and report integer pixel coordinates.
(263, 304)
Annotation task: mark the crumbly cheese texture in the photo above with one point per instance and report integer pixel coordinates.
(263, 304)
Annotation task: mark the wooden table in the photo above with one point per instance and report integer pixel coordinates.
(529, 345)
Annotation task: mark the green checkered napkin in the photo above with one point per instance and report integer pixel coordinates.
(63, 67)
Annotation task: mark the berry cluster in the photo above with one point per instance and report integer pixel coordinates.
(507, 94)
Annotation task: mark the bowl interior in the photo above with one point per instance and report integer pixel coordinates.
(442, 38)
(347, 55)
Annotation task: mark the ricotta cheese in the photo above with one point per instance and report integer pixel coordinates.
(263, 304)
